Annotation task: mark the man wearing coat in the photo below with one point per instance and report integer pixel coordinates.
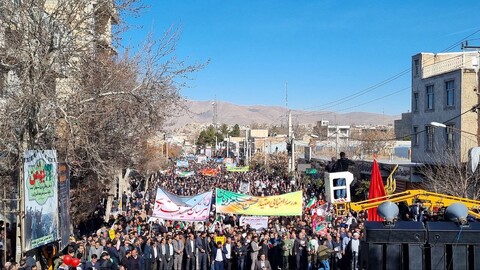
(178, 247)
(286, 246)
(190, 251)
(219, 256)
(254, 253)
(300, 248)
(202, 256)
(240, 252)
(164, 255)
(263, 263)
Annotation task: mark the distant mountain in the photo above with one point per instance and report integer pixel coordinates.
(201, 112)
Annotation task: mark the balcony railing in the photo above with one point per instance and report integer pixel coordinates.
(450, 64)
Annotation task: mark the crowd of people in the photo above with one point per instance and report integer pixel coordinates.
(133, 240)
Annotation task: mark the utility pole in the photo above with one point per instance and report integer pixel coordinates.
(336, 139)
(291, 140)
(245, 148)
(228, 145)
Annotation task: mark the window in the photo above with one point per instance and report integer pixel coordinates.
(449, 132)
(430, 97)
(416, 66)
(430, 130)
(450, 92)
(415, 136)
(415, 102)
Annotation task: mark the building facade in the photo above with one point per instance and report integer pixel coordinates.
(444, 91)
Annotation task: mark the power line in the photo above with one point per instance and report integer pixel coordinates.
(386, 81)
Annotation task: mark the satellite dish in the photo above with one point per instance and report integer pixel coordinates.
(457, 212)
(388, 211)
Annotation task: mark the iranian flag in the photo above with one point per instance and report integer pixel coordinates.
(312, 203)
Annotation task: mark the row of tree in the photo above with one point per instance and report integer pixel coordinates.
(66, 86)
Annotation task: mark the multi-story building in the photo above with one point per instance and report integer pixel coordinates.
(444, 90)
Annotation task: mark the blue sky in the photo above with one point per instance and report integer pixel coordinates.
(326, 50)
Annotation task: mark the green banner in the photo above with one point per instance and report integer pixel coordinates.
(289, 204)
(238, 169)
(311, 171)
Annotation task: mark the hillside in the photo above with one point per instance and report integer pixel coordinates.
(201, 112)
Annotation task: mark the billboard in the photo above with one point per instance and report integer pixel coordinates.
(41, 198)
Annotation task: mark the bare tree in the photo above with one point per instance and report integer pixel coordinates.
(373, 141)
(448, 175)
(68, 89)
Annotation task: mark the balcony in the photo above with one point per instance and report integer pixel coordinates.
(450, 63)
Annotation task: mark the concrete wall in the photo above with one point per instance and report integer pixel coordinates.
(465, 98)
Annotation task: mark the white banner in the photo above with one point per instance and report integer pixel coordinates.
(257, 223)
(172, 207)
(41, 198)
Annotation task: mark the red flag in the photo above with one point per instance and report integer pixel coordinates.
(376, 190)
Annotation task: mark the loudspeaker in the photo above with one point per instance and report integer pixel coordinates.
(451, 233)
(393, 256)
(414, 255)
(375, 256)
(437, 257)
(400, 232)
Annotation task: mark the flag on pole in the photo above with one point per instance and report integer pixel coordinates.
(377, 190)
(312, 203)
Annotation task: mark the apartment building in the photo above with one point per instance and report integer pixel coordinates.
(444, 91)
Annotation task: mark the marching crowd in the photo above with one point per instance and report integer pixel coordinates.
(133, 240)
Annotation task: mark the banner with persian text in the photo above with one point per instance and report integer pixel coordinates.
(172, 207)
(41, 198)
(289, 204)
(257, 223)
(238, 169)
(182, 163)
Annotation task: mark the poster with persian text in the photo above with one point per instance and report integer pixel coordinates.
(172, 207)
(289, 204)
(41, 198)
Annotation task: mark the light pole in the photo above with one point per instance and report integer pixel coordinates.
(437, 124)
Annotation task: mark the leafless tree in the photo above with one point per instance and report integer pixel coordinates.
(67, 88)
(448, 175)
(373, 141)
